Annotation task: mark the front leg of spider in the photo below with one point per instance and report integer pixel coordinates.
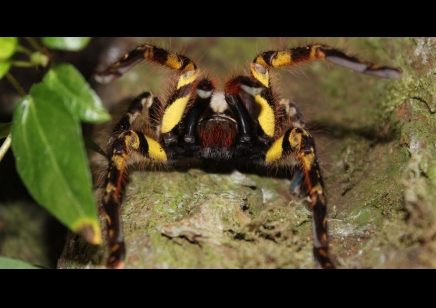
(124, 140)
(293, 146)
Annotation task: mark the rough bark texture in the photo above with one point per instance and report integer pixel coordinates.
(376, 141)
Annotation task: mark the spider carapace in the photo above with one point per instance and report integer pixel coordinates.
(246, 121)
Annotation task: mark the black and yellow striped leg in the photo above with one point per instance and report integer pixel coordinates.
(136, 107)
(180, 95)
(298, 144)
(112, 199)
(118, 153)
(123, 140)
(146, 52)
(293, 56)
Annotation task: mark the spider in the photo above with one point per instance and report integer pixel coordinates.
(246, 121)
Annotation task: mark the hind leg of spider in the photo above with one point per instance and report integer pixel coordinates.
(297, 144)
(122, 142)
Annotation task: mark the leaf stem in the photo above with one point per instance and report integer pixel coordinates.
(5, 146)
(7, 143)
(15, 84)
(35, 44)
(24, 50)
(22, 64)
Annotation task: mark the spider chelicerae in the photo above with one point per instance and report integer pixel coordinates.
(245, 121)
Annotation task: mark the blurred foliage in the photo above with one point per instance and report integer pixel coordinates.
(46, 133)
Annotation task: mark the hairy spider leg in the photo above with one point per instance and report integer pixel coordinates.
(292, 117)
(293, 56)
(297, 140)
(297, 143)
(124, 139)
(149, 53)
(297, 55)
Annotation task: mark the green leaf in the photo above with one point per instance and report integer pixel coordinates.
(5, 129)
(4, 68)
(90, 144)
(7, 47)
(38, 58)
(51, 160)
(8, 263)
(67, 81)
(66, 43)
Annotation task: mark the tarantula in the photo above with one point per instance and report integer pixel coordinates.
(247, 121)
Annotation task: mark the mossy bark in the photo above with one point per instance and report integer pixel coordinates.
(376, 142)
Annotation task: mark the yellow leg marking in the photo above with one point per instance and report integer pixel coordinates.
(149, 52)
(110, 187)
(155, 150)
(275, 151)
(189, 67)
(282, 58)
(317, 188)
(186, 78)
(108, 219)
(261, 77)
(323, 253)
(173, 114)
(324, 238)
(314, 54)
(173, 61)
(308, 160)
(132, 141)
(266, 116)
(115, 248)
(111, 233)
(261, 61)
(294, 139)
(118, 161)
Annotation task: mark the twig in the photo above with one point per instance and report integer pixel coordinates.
(5, 146)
